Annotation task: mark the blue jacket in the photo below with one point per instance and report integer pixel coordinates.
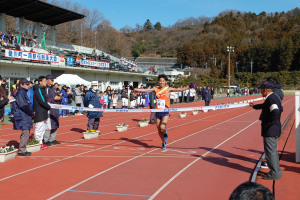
(92, 97)
(22, 111)
(270, 116)
(207, 95)
(65, 95)
(30, 94)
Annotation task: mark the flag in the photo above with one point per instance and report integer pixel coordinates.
(44, 42)
(19, 39)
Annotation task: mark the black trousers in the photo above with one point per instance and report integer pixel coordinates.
(207, 103)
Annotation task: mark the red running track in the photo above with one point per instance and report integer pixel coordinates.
(208, 155)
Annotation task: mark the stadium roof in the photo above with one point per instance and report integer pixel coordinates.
(38, 11)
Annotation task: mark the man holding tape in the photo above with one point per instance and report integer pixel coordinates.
(270, 128)
(92, 100)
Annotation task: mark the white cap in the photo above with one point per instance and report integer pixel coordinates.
(94, 83)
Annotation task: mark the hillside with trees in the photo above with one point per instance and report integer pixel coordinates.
(264, 42)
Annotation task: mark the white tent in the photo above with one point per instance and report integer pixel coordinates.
(71, 79)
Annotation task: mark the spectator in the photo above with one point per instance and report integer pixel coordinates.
(115, 101)
(53, 119)
(109, 94)
(64, 100)
(251, 191)
(78, 98)
(152, 104)
(105, 97)
(124, 99)
(23, 114)
(41, 108)
(30, 94)
(3, 101)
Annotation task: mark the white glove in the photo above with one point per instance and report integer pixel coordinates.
(91, 106)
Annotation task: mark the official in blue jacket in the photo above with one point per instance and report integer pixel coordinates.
(270, 128)
(91, 100)
(23, 114)
(207, 95)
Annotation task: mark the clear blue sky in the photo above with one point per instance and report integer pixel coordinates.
(167, 12)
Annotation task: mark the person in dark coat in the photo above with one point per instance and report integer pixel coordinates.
(3, 101)
(23, 114)
(41, 108)
(53, 119)
(270, 128)
(92, 100)
(207, 95)
(152, 106)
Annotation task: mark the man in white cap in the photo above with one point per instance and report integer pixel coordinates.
(92, 100)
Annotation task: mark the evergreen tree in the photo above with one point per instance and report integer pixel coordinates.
(148, 26)
(214, 72)
(157, 26)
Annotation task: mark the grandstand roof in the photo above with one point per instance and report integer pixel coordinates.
(38, 11)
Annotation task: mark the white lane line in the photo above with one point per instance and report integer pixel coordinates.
(105, 147)
(203, 155)
(117, 144)
(109, 169)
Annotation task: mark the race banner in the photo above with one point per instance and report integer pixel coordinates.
(93, 63)
(26, 55)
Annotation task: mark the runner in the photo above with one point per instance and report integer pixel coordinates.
(162, 98)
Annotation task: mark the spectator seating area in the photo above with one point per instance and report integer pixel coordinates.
(71, 53)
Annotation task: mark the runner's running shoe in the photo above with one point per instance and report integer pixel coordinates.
(164, 145)
(166, 136)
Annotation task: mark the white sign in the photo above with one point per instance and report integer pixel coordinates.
(93, 63)
(26, 55)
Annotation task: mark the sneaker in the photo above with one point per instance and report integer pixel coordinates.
(264, 165)
(48, 144)
(24, 154)
(164, 145)
(166, 136)
(87, 131)
(43, 147)
(55, 142)
(269, 177)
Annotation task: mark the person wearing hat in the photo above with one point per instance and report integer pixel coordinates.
(23, 114)
(53, 114)
(270, 128)
(91, 100)
(207, 95)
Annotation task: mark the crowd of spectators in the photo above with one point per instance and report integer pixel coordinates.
(10, 39)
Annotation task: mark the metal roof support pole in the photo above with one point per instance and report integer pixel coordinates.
(2, 22)
(21, 24)
(39, 32)
(53, 34)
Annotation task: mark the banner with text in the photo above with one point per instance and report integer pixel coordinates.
(92, 63)
(26, 55)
